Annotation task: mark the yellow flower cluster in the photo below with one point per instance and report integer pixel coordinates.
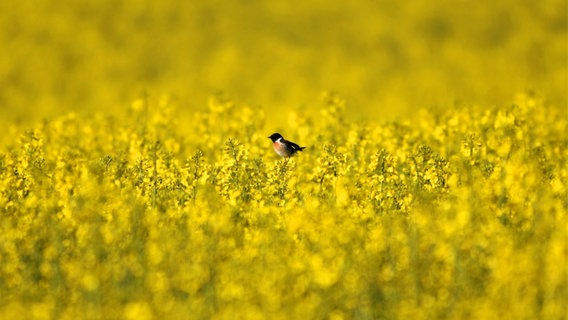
(461, 215)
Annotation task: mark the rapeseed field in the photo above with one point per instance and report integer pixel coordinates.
(137, 179)
(461, 215)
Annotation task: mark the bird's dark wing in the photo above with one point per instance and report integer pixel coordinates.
(295, 147)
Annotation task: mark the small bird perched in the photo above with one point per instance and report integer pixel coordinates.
(283, 147)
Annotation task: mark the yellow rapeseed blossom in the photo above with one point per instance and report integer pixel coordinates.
(460, 216)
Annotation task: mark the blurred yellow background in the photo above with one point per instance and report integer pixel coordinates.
(386, 58)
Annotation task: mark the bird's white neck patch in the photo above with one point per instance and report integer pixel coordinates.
(279, 139)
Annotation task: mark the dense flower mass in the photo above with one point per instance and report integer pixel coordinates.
(461, 214)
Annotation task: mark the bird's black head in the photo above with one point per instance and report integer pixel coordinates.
(275, 136)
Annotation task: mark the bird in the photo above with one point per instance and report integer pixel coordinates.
(283, 147)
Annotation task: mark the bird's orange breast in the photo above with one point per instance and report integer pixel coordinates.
(280, 148)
